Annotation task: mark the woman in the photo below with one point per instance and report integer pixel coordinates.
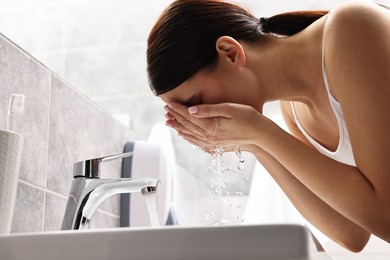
(215, 65)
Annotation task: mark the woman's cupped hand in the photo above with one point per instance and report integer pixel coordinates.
(212, 125)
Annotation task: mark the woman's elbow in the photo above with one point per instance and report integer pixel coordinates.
(355, 242)
(357, 245)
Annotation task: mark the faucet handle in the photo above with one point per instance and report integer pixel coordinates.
(90, 168)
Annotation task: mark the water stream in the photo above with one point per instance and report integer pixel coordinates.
(150, 199)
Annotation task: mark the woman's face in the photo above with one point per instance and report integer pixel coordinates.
(202, 88)
(216, 86)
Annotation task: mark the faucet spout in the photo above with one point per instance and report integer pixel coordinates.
(109, 187)
(89, 194)
(88, 191)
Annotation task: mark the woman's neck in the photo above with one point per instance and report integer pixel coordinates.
(289, 68)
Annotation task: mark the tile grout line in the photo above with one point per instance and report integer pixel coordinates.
(57, 194)
(90, 48)
(47, 150)
(108, 213)
(32, 185)
(121, 96)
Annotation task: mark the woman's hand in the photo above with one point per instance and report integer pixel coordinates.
(225, 124)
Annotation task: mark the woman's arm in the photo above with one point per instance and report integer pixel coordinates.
(316, 211)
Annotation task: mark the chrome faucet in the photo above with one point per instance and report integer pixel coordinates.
(88, 191)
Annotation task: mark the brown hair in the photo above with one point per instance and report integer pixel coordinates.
(182, 41)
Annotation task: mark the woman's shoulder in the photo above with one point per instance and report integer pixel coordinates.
(356, 40)
(359, 10)
(358, 16)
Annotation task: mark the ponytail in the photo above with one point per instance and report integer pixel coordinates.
(290, 23)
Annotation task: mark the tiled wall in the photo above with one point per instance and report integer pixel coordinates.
(60, 126)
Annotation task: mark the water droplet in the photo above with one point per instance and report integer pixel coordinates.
(241, 165)
(239, 193)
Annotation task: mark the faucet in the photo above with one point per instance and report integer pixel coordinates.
(88, 191)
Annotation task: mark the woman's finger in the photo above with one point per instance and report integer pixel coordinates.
(168, 116)
(194, 141)
(184, 121)
(181, 115)
(226, 110)
(173, 123)
(199, 140)
(198, 126)
(181, 129)
(207, 126)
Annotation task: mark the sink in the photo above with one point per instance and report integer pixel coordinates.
(241, 242)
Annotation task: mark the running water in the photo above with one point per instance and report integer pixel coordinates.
(219, 185)
(150, 199)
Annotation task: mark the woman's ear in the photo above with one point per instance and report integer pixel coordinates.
(231, 51)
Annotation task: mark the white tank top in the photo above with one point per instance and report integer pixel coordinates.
(343, 152)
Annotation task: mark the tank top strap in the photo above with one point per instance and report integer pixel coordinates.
(343, 152)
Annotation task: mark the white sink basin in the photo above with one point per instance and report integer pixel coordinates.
(245, 242)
